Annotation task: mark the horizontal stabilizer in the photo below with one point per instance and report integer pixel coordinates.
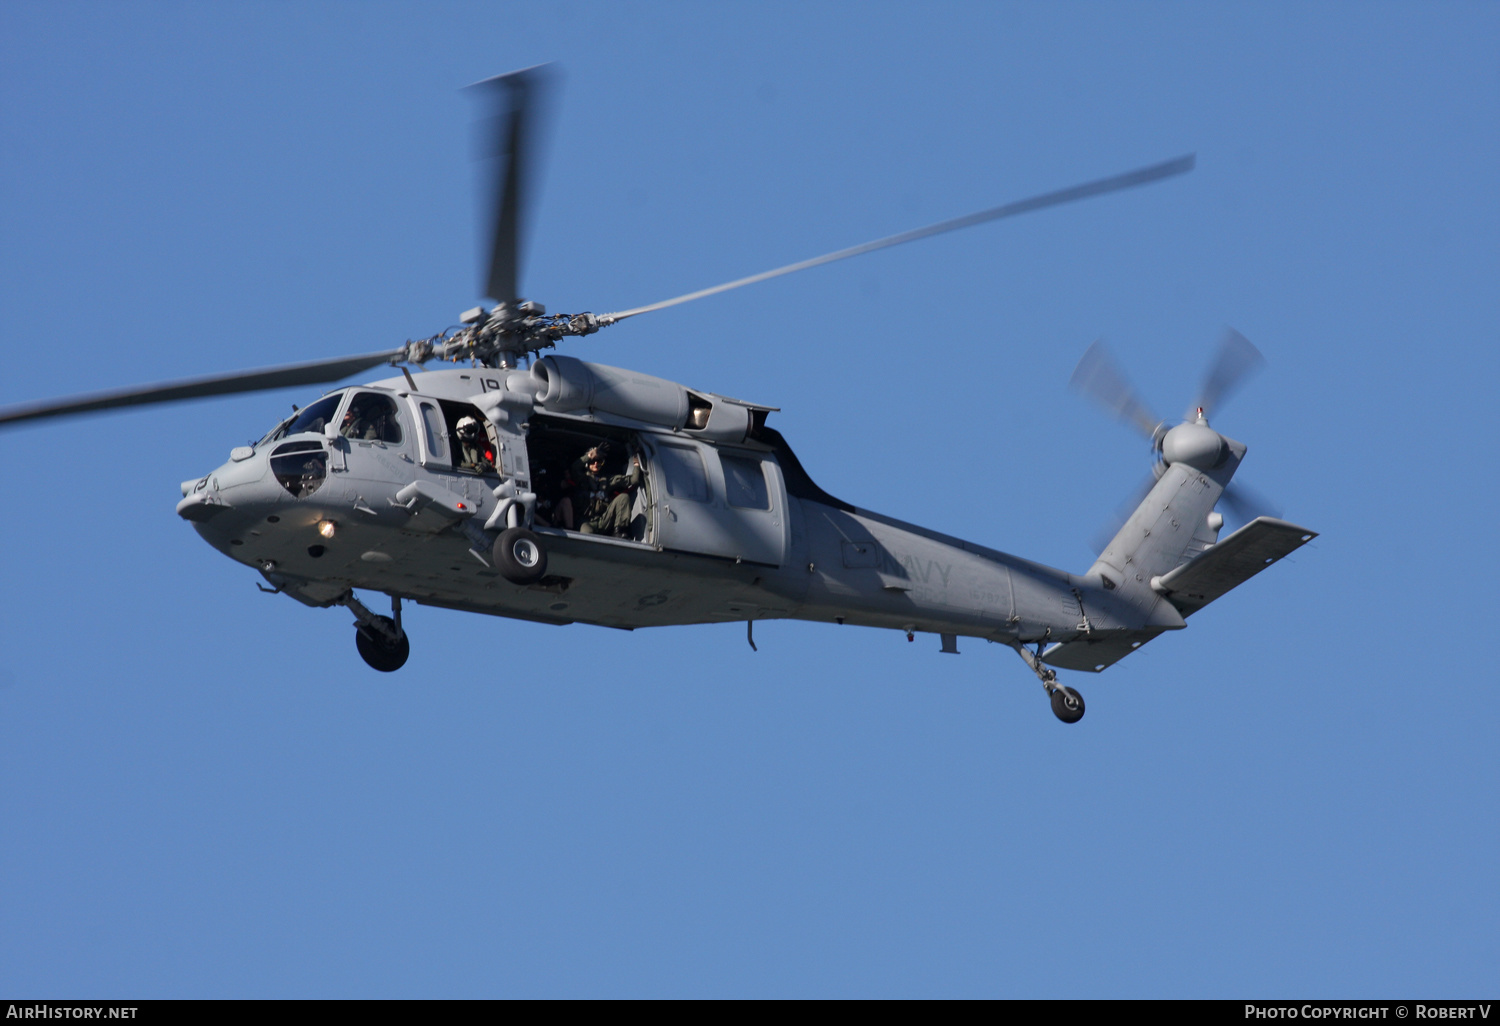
(1190, 587)
(1092, 654)
(1231, 562)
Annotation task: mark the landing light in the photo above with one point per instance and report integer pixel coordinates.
(326, 528)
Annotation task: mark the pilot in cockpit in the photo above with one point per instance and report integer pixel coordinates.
(369, 419)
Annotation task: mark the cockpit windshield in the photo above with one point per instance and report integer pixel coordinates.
(315, 418)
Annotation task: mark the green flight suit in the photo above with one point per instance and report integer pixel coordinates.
(596, 506)
(477, 456)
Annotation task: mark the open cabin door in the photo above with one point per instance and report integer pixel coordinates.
(717, 502)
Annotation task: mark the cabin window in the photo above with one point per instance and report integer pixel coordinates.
(432, 423)
(316, 417)
(682, 470)
(745, 482)
(372, 418)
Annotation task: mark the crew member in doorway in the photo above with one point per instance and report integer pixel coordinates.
(476, 452)
(602, 503)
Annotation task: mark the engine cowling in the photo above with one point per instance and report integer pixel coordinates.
(728, 422)
(563, 384)
(567, 385)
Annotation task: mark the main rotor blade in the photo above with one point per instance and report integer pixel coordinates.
(1236, 361)
(1100, 378)
(315, 373)
(1128, 180)
(508, 141)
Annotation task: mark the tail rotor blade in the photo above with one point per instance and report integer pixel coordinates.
(509, 138)
(1245, 504)
(1236, 362)
(1106, 534)
(1100, 378)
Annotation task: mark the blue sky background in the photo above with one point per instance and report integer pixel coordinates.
(204, 791)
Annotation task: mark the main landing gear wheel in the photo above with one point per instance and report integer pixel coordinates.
(378, 649)
(1067, 704)
(519, 556)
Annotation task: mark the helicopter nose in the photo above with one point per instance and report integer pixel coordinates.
(245, 467)
(202, 503)
(242, 485)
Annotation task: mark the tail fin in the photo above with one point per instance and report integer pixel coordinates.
(1170, 526)
(1166, 562)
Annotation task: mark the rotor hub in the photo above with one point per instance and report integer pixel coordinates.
(1196, 444)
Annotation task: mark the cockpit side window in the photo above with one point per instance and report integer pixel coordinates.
(372, 417)
(316, 417)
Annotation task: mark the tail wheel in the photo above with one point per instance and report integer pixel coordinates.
(377, 649)
(519, 556)
(1067, 704)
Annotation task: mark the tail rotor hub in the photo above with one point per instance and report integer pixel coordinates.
(1194, 444)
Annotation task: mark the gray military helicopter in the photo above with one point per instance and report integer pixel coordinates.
(545, 488)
